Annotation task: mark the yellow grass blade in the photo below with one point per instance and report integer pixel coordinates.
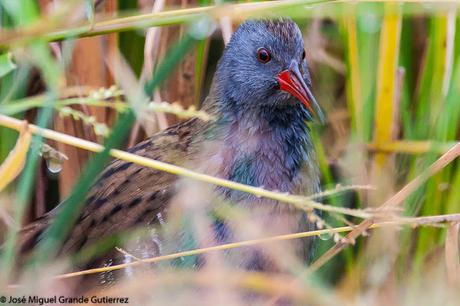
(14, 162)
(386, 78)
(411, 147)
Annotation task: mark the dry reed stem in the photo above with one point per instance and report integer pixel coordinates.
(338, 189)
(233, 11)
(420, 221)
(122, 251)
(240, 11)
(151, 56)
(300, 202)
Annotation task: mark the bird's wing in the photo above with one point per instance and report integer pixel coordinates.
(30, 234)
(126, 195)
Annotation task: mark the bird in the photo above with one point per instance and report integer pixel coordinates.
(261, 99)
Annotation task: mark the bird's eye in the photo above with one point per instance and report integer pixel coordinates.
(263, 55)
(303, 55)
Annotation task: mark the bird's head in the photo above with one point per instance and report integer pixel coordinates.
(264, 67)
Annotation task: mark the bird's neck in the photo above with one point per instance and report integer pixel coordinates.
(264, 147)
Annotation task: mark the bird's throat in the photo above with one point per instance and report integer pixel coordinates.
(265, 152)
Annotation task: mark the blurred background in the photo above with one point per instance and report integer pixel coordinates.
(386, 73)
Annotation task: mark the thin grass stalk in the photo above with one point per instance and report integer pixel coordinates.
(441, 48)
(412, 147)
(19, 106)
(165, 18)
(369, 23)
(420, 221)
(450, 117)
(407, 62)
(201, 56)
(328, 179)
(453, 114)
(354, 98)
(299, 201)
(232, 11)
(200, 69)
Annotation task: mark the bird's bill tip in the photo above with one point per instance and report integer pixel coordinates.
(294, 84)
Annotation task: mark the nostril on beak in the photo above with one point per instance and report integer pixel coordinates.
(294, 65)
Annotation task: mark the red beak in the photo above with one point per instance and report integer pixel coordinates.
(291, 81)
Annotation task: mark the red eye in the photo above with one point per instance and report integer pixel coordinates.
(263, 55)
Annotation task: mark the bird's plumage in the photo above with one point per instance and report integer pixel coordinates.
(260, 138)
